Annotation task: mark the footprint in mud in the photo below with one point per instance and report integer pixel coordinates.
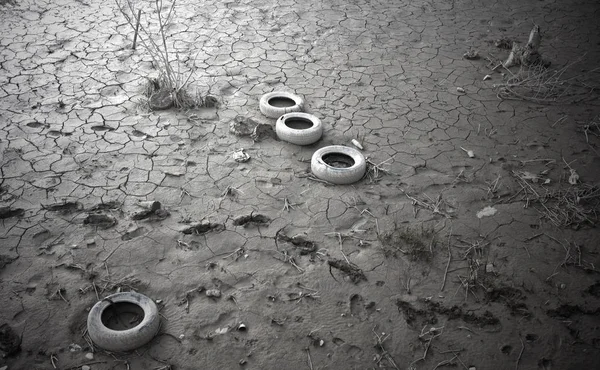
(203, 228)
(100, 220)
(360, 309)
(134, 233)
(102, 128)
(7, 212)
(354, 351)
(251, 219)
(64, 208)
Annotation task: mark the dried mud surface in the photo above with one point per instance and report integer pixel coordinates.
(395, 271)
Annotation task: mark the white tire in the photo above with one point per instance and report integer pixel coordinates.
(355, 161)
(128, 339)
(299, 128)
(290, 103)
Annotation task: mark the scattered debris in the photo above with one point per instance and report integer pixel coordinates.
(471, 55)
(528, 55)
(357, 144)
(251, 219)
(262, 131)
(152, 210)
(213, 293)
(573, 177)
(351, 270)
(503, 43)
(161, 100)
(240, 156)
(571, 206)
(242, 126)
(487, 212)
(470, 153)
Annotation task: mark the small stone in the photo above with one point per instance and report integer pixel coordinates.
(460, 90)
(241, 156)
(4, 368)
(181, 336)
(243, 362)
(487, 77)
(89, 356)
(74, 347)
(489, 268)
(213, 293)
(472, 368)
(85, 367)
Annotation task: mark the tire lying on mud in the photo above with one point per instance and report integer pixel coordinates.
(121, 339)
(275, 104)
(299, 128)
(338, 164)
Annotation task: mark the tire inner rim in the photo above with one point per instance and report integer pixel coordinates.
(298, 123)
(338, 160)
(281, 102)
(122, 316)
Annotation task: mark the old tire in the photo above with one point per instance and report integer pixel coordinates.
(299, 128)
(275, 104)
(128, 339)
(322, 167)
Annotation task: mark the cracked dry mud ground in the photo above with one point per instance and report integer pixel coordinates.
(512, 290)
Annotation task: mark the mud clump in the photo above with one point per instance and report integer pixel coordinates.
(251, 219)
(203, 228)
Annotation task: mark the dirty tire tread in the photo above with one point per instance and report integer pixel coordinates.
(129, 339)
(334, 175)
(299, 136)
(276, 112)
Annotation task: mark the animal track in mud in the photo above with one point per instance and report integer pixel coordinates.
(251, 219)
(36, 124)
(304, 246)
(100, 220)
(64, 208)
(135, 233)
(5, 260)
(594, 289)
(360, 309)
(7, 212)
(203, 228)
(102, 128)
(427, 314)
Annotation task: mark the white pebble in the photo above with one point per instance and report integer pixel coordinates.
(89, 356)
(85, 367)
